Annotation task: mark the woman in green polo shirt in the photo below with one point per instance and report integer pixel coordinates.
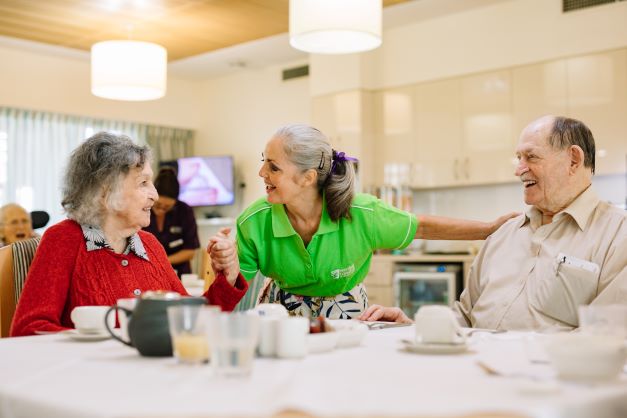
(313, 237)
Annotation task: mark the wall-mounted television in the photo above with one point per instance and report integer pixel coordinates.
(205, 181)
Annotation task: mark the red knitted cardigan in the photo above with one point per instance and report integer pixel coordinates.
(64, 275)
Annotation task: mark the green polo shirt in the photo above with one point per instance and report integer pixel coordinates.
(338, 256)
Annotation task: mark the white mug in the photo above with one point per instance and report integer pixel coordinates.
(91, 319)
(270, 309)
(437, 324)
(292, 337)
(268, 328)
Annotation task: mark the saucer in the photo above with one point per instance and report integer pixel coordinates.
(80, 336)
(434, 348)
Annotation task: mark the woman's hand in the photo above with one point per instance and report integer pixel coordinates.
(494, 225)
(382, 313)
(223, 253)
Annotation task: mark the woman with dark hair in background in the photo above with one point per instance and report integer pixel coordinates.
(312, 236)
(173, 223)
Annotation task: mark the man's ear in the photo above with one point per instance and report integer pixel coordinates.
(577, 157)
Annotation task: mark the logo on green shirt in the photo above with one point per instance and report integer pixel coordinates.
(345, 272)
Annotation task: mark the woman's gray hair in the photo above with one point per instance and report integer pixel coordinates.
(308, 148)
(96, 169)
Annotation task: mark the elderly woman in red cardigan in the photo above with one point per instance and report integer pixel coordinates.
(100, 254)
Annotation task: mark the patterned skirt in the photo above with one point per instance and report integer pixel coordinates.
(347, 305)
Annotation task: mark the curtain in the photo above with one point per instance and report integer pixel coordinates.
(37, 146)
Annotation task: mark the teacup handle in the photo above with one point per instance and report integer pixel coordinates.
(115, 308)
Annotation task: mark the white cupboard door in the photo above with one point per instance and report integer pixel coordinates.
(597, 89)
(487, 128)
(438, 156)
(395, 138)
(538, 90)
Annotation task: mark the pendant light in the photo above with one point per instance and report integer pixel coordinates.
(335, 26)
(128, 70)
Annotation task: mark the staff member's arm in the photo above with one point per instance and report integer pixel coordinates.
(440, 227)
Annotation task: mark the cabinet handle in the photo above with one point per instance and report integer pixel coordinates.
(467, 167)
(456, 169)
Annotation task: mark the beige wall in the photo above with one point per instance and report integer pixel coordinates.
(239, 114)
(39, 81)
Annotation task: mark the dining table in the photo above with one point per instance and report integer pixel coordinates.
(495, 375)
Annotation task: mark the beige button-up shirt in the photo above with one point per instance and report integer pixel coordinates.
(533, 276)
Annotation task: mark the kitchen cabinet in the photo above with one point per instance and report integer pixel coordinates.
(597, 95)
(439, 154)
(347, 120)
(539, 89)
(463, 131)
(488, 138)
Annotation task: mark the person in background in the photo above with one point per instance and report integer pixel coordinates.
(313, 237)
(568, 249)
(173, 222)
(15, 224)
(100, 254)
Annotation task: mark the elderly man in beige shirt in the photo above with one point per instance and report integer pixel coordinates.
(568, 249)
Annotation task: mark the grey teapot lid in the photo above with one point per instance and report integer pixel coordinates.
(160, 295)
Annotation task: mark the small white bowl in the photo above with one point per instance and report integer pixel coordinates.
(352, 333)
(585, 356)
(322, 342)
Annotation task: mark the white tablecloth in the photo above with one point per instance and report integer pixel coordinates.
(54, 376)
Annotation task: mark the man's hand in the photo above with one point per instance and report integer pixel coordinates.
(382, 313)
(223, 253)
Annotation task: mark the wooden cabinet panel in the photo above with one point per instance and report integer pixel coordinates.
(380, 295)
(597, 95)
(380, 273)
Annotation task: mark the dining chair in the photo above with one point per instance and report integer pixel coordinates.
(15, 260)
(249, 300)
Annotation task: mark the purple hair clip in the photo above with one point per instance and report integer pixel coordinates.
(340, 157)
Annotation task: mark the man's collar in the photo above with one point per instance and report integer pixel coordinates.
(582, 207)
(95, 240)
(580, 210)
(281, 226)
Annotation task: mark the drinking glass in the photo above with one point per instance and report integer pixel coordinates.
(188, 330)
(233, 338)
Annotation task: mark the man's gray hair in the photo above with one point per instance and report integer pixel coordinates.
(566, 132)
(308, 148)
(96, 170)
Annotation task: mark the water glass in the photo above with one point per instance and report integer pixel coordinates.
(188, 330)
(233, 337)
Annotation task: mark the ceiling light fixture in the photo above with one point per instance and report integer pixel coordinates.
(128, 70)
(335, 26)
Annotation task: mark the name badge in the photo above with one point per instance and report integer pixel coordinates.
(176, 230)
(176, 243)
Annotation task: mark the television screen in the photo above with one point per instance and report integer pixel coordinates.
(205, 181)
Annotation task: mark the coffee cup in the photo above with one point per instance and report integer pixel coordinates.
(91, 319)
(291, 335)
(191, 280)
(271, 310)
(436, 324)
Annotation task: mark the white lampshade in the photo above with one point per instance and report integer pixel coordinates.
(335, 26)
(128, 70)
